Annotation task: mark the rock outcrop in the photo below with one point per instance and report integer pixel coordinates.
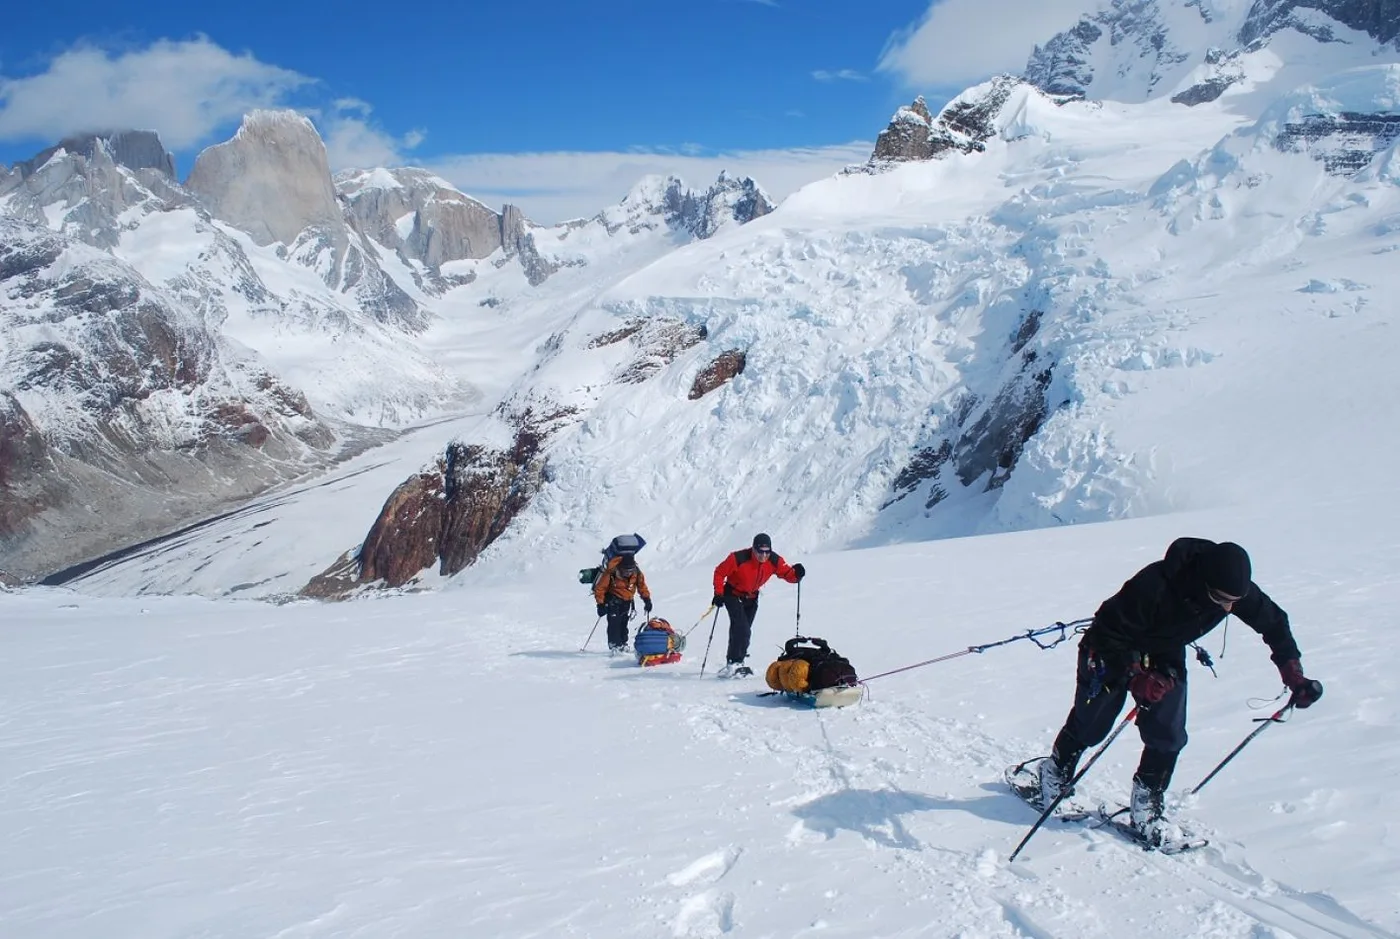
(86, 187)
(963, 126)
(666, 200)
(422, 218)
(1379, 19)
(722, 369)
(271, 180)
(448, 513)
(135, 149)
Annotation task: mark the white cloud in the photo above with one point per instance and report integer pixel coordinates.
(552, 187)
(185, 90)
(845, 74)
(962, 42)
(354, 141)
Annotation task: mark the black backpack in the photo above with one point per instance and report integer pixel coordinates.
(622, 544)
(825, 667)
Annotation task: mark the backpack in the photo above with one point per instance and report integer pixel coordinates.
(657, 643)
(622, 544)
(813, 666)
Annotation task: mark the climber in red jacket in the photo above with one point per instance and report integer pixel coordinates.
(738, 579)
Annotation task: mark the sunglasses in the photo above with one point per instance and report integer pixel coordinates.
(763, 550)
(1221, 598)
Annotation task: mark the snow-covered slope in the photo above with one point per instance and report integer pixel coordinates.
(1112, 310)
(448, 764)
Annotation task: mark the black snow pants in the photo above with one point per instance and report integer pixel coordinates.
(1099, 696)
(742, 611)
(619, 612)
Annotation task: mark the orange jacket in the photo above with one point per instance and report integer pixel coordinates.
(623, 587)
(744, 572)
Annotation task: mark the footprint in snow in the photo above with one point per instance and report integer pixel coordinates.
(708, 914)
(705, 870)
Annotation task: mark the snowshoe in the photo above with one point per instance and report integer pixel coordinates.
(1023, 779)
(1162, 839)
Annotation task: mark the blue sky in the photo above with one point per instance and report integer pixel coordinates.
(557, 106)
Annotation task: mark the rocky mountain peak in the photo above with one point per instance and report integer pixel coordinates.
(1134, 50)
(134, 149)
(272, 179)
(1379, 19)
(701, 214)
(419, 215)
(82, 185)
(963, 126)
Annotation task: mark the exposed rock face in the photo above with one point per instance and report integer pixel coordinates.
(143, 418)
(657, 341)
(994, 441)
(404, 538)
(1345, 142)
(486, 489)
(1379, 19)
(728, 200)
(725, 366)
(28, 483)
(134, 149)
(1063, 65)
(667, 201)
(906, 139)
(963, 126)
(450, 512)
(272, 179)
(85, 192)
(422, 218)
(984, 439)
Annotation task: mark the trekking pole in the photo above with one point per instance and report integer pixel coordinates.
(707, 644)
(798, 633)
(1069, 786)
(1264, 722)
(590, 634)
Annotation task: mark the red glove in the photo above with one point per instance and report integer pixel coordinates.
(1149, 687)
(1305, 690)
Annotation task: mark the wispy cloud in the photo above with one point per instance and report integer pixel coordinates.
(552, 187)
(184, 89)
(355, 141)
(960, 42)
(840, 75)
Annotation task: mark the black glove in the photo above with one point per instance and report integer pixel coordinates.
(799, 570)
(717, 600)
(1305, 690)
(646, 604)
(602, 610)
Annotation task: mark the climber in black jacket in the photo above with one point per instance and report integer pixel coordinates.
(1137, 645)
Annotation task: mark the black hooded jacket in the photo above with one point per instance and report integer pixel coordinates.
(1163, 608)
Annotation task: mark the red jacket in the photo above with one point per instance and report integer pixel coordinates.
(744, 572)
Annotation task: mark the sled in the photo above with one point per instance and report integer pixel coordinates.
(838, 697)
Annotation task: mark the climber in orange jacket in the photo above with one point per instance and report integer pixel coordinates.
(738, 579)
(614, 590)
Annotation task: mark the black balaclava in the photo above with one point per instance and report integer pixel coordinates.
(1225, 567)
